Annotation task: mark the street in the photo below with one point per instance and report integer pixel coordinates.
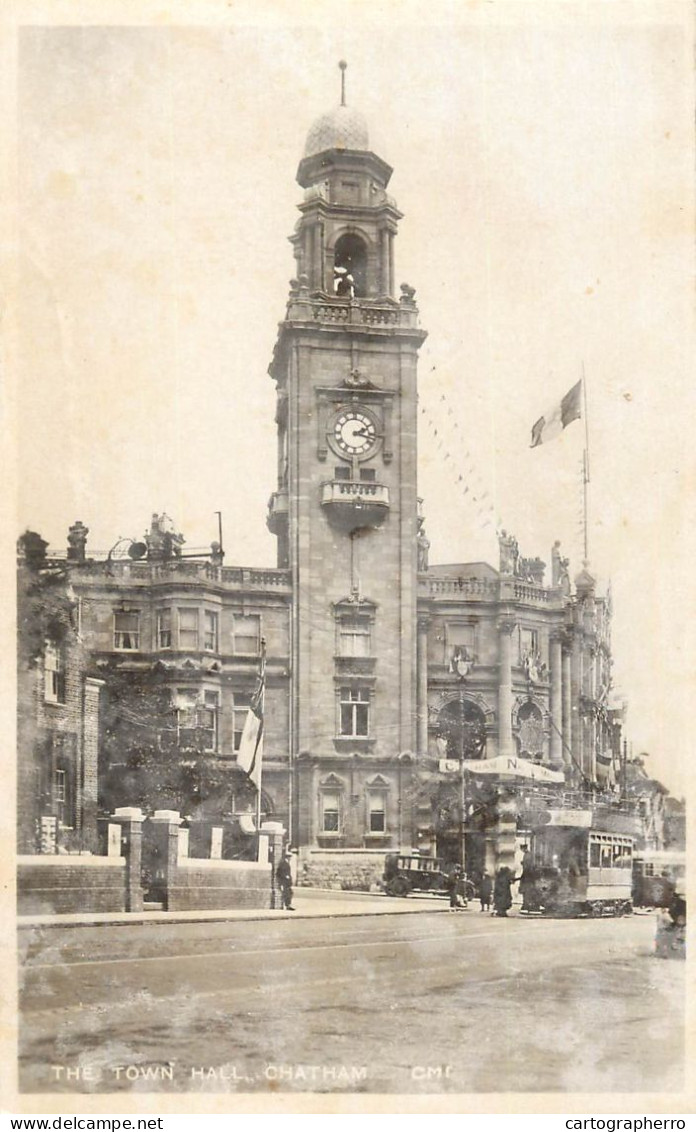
(372, 1004)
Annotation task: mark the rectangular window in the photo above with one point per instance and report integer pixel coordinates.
(377, 812)
(367, 475)
(164, 629)
(186, 704)
(127, 631)
(354, 636)
(529, 643)
(246, 635)
(342, 473)
(208, 713)
(188, 629)
(355, 712)
(594, 855)
(54, 674)
(461, 636)
(330, 812)
(210, 631)
(605, 859)
(239, 714)
(60, 787)
(63, 799)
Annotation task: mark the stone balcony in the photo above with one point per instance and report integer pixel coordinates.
(278, 509)
(382, 314)
(351, 504)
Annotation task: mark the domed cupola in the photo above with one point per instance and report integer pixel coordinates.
(340, 137)
(343, 244)
(342, 128)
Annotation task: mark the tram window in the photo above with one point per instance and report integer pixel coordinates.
(617, 854)
(594, 855)
(605, 859)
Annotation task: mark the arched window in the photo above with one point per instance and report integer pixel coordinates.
(463, 726)
(350, 267)
(530, 738)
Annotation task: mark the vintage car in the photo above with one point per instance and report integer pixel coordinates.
(657, 875)
(404, 873)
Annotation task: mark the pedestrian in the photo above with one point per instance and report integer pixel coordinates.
(502, 895)
(452, 886)
(284, 878)
(528, 882)
(485, 892)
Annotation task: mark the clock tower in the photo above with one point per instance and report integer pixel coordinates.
(345, 509)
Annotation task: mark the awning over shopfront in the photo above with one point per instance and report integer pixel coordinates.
(505, 766)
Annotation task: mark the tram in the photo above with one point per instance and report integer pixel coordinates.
(657, 875)
(580, 872)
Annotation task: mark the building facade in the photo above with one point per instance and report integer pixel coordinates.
(388, 678)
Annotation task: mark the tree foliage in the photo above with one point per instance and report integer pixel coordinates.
(144, 760)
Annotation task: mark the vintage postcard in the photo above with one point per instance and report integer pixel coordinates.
(349, 379)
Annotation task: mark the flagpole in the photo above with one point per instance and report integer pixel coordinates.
(585, 471)
(260, 770)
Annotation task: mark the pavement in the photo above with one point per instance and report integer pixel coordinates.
(310, 903)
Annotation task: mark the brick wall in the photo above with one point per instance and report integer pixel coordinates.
(64, 884)
(204, 884)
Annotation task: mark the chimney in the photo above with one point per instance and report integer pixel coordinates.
(77, 542)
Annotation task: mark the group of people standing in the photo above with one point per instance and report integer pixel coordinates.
(498, 890)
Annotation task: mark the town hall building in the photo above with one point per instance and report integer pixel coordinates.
(393, 686)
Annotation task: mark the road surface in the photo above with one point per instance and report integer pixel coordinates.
(368, 1004)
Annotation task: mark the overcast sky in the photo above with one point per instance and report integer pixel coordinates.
(542, 157)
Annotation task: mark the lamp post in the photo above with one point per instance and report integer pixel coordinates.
(462, 796)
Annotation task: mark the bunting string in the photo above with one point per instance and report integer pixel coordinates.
(465, 476)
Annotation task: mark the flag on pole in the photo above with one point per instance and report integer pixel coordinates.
(559, 417)
(250, 751)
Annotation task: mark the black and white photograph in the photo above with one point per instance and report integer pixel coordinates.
(349, 385)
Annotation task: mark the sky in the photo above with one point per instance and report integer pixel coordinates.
(543, 158)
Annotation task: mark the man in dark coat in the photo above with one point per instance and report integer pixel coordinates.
(502, 895)
(284, 879)
(528, 881)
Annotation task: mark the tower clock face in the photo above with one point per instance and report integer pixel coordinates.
(355, 433)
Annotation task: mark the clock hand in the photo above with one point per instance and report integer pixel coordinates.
(365, 432)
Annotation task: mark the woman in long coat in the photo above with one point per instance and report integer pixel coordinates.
(502, 894)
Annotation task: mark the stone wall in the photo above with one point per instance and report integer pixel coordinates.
(351, 872)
